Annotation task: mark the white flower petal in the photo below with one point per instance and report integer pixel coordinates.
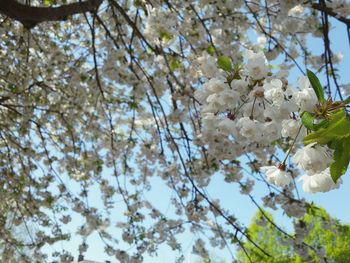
(319, 182)
(276, 176)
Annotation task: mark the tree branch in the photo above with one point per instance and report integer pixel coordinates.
(329, 11)
(31, 16)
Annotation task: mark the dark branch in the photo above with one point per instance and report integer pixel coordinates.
(329, 11)
(31, 16)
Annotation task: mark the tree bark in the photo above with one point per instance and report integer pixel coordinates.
(31, 16)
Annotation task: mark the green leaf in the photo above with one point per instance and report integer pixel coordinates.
(338, 127)
(174, 64)
(322, 124)
(316, 85)
(341, 157)
(307, 120)
(48, 2)
(133, 105)
(138, 3)
(165, 36)
(347, 100)
(211, 50)
(224, 63)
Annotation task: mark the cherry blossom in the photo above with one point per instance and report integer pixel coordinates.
(98, 100)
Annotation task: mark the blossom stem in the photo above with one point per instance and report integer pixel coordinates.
(252, 112)
(291, 147)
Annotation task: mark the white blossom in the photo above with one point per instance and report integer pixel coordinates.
(306, 98)
(313, 157)
(273, 92)
(277, 176)
(290, 128)
(250, 129)
(256, 64)
(319, 182)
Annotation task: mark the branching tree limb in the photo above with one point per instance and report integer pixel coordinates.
(31, 16)
(330, 12)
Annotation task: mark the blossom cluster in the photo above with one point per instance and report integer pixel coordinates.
(254, 111)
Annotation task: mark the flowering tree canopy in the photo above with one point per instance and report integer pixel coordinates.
(98, 97)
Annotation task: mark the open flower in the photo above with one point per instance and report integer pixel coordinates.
(250, 129)
(276, 175)
(256, 64)
(274, 92)
(313, 158)
(306, 98)
(319, 182)
(290, 128)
